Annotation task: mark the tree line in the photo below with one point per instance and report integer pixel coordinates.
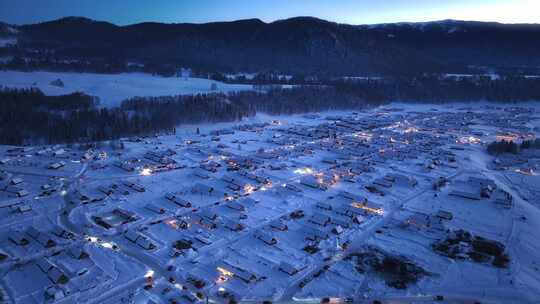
(29, 116)
(440, 89)
(501, 147)
(504, 146)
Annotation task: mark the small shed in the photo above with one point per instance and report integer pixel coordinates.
(145, 243)
(154, 208)
(132, 235)
(57, 276)
(290, 269)
(267, 238)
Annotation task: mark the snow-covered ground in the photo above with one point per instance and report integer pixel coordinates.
(7, 41)
(113, 88)
(390, 155)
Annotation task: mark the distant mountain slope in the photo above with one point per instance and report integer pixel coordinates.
(297, 45)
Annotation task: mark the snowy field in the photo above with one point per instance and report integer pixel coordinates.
(114, 88)
(7, 41)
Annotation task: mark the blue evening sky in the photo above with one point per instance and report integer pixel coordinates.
(198, 11)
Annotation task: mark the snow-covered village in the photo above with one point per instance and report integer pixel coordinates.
(398, 202)
(269, 151)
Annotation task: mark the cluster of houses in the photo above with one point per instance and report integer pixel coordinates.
(474, 188)
(383, 184)
(139, 239)
(427, 223)
(255, 199)
(71, 271)
(123, 188)
(233, 176)
(14, 186)
(477, 189)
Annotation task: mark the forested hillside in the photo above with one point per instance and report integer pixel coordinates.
(296, 46)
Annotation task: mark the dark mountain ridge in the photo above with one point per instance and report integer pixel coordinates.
(301, 45)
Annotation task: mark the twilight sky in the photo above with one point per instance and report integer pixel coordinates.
(198, 11)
